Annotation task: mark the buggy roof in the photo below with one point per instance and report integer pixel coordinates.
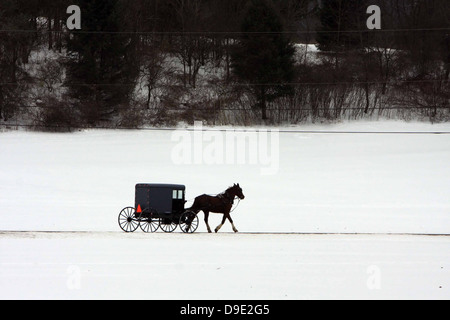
(161, 185)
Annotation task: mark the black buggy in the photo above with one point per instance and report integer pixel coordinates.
(158, 206)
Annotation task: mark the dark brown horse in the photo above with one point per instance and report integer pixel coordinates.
(220, 203)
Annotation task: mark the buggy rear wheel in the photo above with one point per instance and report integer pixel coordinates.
(167, 224)
(148, 222)
(128, 221)
(188, 222)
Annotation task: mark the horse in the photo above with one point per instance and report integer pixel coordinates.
(220, 203)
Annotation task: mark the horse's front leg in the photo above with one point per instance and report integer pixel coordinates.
(226, 216)
(220, 225)
(232, 224)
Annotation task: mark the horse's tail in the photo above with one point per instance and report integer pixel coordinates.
(196, 206)
(193, 210)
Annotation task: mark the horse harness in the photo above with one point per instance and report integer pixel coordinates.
(225, 198)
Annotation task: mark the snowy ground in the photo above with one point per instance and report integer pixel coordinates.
(223, 266)
(324, 183)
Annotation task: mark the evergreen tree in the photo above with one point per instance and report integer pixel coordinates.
(15, 48)
(341, 20)
(263, 58)
(101, 71)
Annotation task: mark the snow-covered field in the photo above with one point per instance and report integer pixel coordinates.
(377, 184)
(223, 266)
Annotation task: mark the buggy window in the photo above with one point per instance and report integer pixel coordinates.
(177, 194)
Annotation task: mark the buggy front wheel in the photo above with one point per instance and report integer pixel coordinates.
(188, 222)
(127, 219)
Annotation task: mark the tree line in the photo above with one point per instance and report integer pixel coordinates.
(158, 62)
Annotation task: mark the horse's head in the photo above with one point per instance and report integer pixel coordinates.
(238, 191)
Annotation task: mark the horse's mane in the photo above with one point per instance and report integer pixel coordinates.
(223, 193)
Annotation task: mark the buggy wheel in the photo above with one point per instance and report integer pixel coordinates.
(188, 222)
(167, 224)
(148, 222)
(127, 220)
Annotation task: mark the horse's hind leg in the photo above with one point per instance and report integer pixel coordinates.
(206, 220)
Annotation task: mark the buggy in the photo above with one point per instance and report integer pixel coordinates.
(158, 206)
